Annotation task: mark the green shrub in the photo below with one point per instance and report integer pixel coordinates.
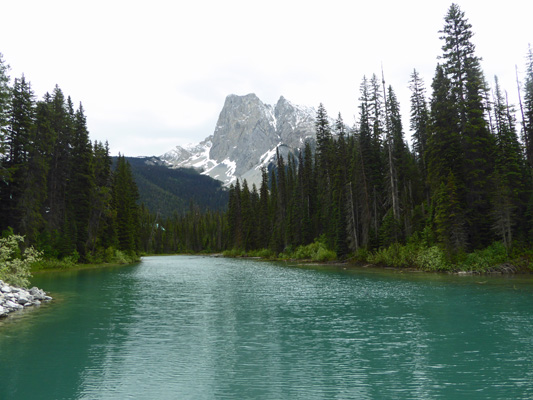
(410, 255)
(232, 253)
(316, 251)
(15, 267)
(485, 259)
(262, 253)
(431, 259)
(361, 254)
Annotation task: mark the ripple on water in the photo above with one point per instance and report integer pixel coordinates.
(202, 328)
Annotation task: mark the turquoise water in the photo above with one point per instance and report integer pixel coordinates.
(184, 327)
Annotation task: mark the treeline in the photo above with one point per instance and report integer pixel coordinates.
(56, 187)
(167, 190)
(465, 184)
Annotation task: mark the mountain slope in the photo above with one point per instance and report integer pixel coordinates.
(166, 190)
(246, 137)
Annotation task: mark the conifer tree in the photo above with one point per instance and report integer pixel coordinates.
(125, 196)
(463, 69)
(419, 120)
(528, 109)
(35, 187)
(450, 217)
(235, 215)
(263, 213)
(101, 229)
(18, 141)
(60, 164)
(510, 177)
(444, 153)
(81, 185)
(308, 192)
(5, 104)
(340, 206)
(248, 218)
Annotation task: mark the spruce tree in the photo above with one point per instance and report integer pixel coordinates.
(81, 185)
(60, 164)
(419, 120)
(263, 214)
(18, 141)
(5, 105)
(528, 110)
(35, 187)
(125, 197)
(467, 84)
(510, 177)
(248, 218)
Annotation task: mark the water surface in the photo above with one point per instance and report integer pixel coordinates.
(184, 327)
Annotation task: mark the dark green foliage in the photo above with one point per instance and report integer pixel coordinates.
(419, 120)
(363, 193)
(527, 110)
(125, 198)
(166, 190)
(5, 107)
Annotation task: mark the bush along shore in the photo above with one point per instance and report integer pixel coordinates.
(14, 298)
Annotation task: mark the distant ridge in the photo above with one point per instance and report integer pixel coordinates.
(165, 191)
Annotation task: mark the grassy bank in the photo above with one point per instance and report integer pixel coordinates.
(493, 259)
(316, 251)
(111, 257)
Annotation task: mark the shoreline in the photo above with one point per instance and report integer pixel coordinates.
(501, 270)
(13, 298)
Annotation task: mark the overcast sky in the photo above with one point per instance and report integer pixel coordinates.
(154, 74)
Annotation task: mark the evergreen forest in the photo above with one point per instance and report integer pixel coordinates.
(459, 196)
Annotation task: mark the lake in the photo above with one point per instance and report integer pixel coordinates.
(190, 327)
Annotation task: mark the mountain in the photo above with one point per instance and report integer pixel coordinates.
(247, 134)
(167, 190)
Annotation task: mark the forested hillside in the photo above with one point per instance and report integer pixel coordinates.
(56, 187)
(166, 191)
(461, 194)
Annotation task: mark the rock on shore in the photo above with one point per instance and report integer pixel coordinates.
(14, 298)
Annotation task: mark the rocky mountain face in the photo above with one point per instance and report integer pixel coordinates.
(246, 137)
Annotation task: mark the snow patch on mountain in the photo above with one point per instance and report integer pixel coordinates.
(247, 135)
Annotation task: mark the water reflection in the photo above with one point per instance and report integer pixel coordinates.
(202, 328)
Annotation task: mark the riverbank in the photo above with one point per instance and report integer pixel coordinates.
(13, 298)
(430, 260)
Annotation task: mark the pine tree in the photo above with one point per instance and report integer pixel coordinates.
(419, 120)
(81, 185)
(35, 187)
(248, 218)
(528, 110)
(308, 194)
(263, 213)
(325, 169)
(18, 141)
(510, 196)
(340, 207)
(125, 197)
(60, 164)
(450, 217)
(444, 153)
(101, 230)
(5, 105)
(235, 215)
(463, 69)
(369, 166)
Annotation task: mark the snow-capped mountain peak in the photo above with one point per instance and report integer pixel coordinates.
(246, 137)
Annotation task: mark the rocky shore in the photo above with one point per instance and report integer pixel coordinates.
(14, 298)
